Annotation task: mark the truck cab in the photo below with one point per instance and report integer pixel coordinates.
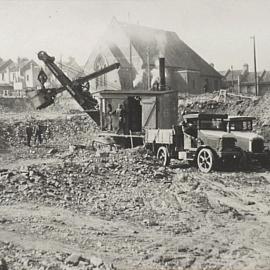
(250, 142)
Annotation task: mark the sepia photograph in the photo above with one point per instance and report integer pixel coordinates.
(134, 135)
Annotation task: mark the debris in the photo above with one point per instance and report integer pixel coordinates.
(73, 259)
(97, 262)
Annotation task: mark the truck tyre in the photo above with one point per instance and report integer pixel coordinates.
(205, 160)
(163, 156)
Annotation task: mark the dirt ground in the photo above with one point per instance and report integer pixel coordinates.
(67, 207)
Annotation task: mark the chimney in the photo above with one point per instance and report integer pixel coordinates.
(162, 74)
(245, 69)
(212, 65)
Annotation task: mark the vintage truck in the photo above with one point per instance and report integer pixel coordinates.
(201, 139)
(250, 142)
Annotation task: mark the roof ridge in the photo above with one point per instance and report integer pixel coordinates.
(143, 26)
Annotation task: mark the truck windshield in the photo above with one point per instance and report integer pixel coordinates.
(241, 126)
(213, 124)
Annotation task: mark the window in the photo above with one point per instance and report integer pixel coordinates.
(27, 77)
(3, 76)
(213, 124)
(241, 126)
(100, 63)
(5, 93)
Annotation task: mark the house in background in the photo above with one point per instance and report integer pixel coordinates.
(6, 85)
(137, 49)
(243, 81)
(17, 78)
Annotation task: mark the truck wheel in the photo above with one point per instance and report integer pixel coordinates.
(205, 160)
(163, 156)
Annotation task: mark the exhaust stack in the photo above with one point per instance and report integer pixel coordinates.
(162, 81)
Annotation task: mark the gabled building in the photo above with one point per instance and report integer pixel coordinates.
(137, 49)
(71, 68)
(17, 78)
(6, 85)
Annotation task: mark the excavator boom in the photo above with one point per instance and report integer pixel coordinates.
(45, 97)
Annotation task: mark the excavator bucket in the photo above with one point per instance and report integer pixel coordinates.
(39, 99)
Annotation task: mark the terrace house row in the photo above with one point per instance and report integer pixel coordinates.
(17, 77)
(242, 81)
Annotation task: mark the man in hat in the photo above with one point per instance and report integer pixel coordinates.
(29, 133)
(121, 115)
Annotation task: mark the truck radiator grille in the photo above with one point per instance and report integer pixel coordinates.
(257, 146)
(228, 143)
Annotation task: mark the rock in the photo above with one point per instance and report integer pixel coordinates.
(249, 203)
(67, 198)
(159, 174)
(157, 259)
(189, 261)
(109, 266)
(73, 259)
(96, 261)
(182, 248)
(52, 151)
(71, 148)
(3, 220)
(101, 154)
(3, 264)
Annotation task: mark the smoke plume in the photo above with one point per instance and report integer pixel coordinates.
(139, 78)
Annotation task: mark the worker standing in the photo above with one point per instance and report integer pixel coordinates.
(109, 118)
(29, 133)
(121, 115)
(38, 133)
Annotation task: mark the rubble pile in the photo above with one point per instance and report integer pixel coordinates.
(70, 130)
(130, 186)
(256, 107)
(17, 258)
(81, 174)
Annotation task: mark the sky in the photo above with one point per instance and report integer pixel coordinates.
(218, 30)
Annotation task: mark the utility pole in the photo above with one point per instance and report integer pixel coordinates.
(255, 66)
(232, 78)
